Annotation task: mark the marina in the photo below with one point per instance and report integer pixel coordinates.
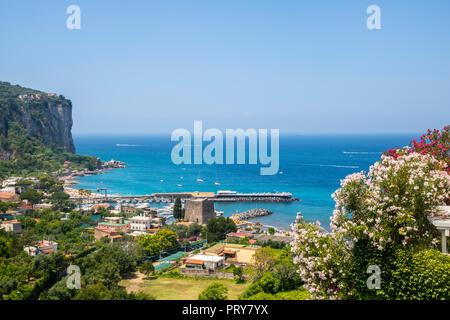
(220, 196)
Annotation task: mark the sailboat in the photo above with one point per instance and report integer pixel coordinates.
(198, 178)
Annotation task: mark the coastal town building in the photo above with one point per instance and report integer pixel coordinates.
(101, 232)
(9, 196)
(11, 226)
(199, 210)
(115, 223)
(141, 223)
(239, 235)
(43, 247)
(233, 253)
(127, 208)
(203, 261)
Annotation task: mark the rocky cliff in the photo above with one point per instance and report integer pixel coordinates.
(44, 116)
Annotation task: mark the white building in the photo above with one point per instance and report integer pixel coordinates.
(442, 222)
(43, 247)
(140, 223)
(12, 226)
(204, 261)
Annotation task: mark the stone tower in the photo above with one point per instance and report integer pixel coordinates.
(199, 210)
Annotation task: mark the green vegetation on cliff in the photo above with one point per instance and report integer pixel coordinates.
(35, 133)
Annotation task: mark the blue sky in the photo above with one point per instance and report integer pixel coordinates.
(300, 66)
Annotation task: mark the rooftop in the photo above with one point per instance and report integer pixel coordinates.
(205, 257)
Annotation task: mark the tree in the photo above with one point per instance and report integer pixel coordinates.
(263, 260)
(32, 196)
(47, 182)
(163, 240)
(215, 291)
(61, 201)
(269, 283)
(238, 272)
(147, 268)
(271, 230)
(5, 206)
(178, 211)
(194, 229)
(218, 228)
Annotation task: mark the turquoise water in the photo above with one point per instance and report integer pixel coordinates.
(312, 167)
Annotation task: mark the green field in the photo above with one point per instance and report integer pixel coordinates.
(179, 289)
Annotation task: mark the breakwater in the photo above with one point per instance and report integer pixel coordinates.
(170, 197)
(253, 213)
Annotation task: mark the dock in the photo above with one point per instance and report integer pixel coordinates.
(219, 197)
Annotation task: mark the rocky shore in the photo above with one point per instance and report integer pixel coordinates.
(254, 213)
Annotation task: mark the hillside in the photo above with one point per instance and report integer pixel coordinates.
(35, 132)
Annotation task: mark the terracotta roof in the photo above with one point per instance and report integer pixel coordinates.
(194, 261)
(105, 229)
(228, 251)
(116, 236)
(25, 207)
(47, 251)
(239, 234)
(6, 195)
(11, 221)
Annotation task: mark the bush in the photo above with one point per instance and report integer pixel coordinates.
(300, 294)
(424, 275)
(215, 291)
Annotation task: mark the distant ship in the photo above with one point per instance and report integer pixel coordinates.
(180, 185)
(200, 180)
(161, 180)
(217, 184)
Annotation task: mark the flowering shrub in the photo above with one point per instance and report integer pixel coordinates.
(434, 143)
(322, 258)
(375, 214)
(391, 204)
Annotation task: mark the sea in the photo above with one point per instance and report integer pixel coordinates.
(311, 167)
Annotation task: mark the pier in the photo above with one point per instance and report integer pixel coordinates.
(219, 197)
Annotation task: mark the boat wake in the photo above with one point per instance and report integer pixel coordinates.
(330, 165)
(360, 152)
(127, 145)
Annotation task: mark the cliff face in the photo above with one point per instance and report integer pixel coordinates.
(44, 116)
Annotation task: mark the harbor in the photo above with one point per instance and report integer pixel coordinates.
(220, 196)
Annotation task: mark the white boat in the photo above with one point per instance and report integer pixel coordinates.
(161, 180)
(200, 180)
(219, 213)
(217, 184)
(180, 185)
